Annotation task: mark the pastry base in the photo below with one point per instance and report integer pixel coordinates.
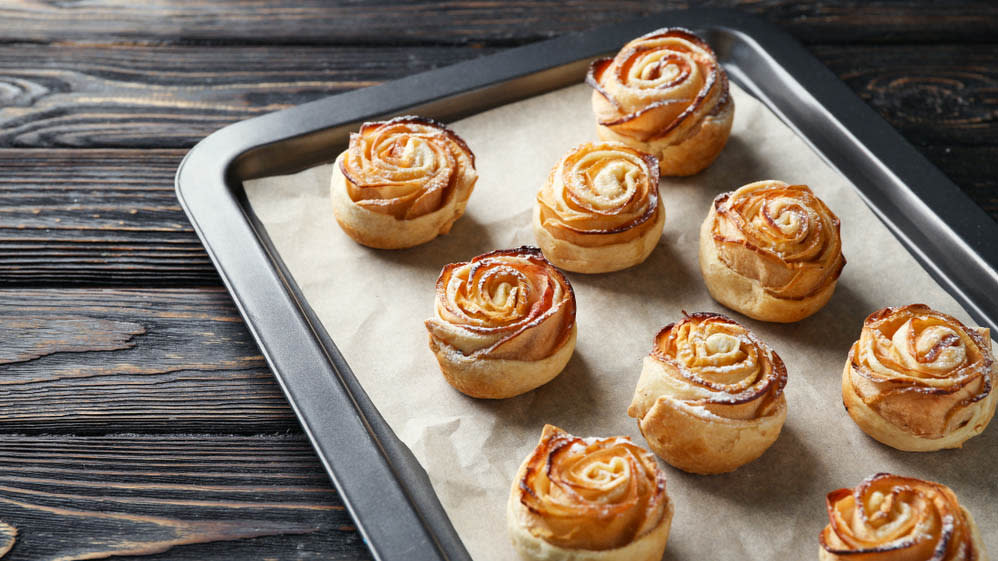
(689, 156)
(384, 231)
(697, 441)
(500, 378)
(648, 547)
(603, 259)
(879, 429)
(747, 296)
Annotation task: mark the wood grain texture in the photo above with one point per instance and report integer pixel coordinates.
(170, 96)
(446, 22)
(96, 217)
(126, 496)
(8, 535)
(939, 94)
(151, 361)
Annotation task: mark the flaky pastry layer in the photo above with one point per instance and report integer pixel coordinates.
(893, 518)
(919, 380)
(599, 210)
(588, 499)
(401, 183)
(665, 94)
(771, 251)
(710, 396)
(503, 323)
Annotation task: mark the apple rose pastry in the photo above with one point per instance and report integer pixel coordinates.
(401, 182)
(889, 517)
(771, 251)
(504, 323)
(710, 396)
(588, 499)
(919, 380)
(665, 94)
(599, 210)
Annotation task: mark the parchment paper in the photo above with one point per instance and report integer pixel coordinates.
(373, 304)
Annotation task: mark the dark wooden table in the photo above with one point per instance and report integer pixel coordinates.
(137, 415)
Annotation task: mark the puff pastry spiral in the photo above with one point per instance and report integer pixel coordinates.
(771, 251)
(710, 396)
(588, 499)
(599, 210)
(665, 94)
(503, 324)
(919, 380)
(401, 182)
(893, 518)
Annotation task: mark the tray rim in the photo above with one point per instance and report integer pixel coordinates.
(363, 457)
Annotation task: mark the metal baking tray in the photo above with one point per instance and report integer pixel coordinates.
(380, 482)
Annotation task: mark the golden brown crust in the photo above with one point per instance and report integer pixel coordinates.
(589, 499)
(503, 324)
(401, 182)
(710, 396)
(665, 94)
(771, 251)
(893, 518)
(920, 380)
(599, 209)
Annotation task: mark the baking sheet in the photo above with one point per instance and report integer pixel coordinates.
(373, 303)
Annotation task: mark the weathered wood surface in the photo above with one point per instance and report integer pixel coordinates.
(449, 23)
(220, 497)
(107, 217)
(939, 94)
(8, 535)
(153, 361)
(171, 97)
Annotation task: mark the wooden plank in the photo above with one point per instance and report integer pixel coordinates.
(933, 94)
(8, 535)
(193, 497)
(444, 22)
(171, 97)
(149, 361)
(96, 217)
